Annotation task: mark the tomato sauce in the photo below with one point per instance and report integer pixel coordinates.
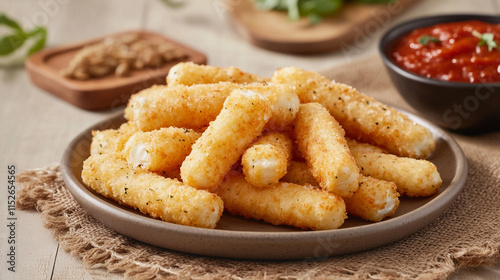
(456, 56)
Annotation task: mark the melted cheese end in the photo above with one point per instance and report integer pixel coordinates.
(139, 156)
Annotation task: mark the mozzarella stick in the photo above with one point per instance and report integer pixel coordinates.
(152, 194)
(180, 106)
(160, 150)
(242, 119)
(357, 147)
(321, 141)
(299, 173)
(304, 207)
(196, 106)
(361, 116)
(111, 140)
(413, 177)
(189, 73)
(374, 200)
(266, 161)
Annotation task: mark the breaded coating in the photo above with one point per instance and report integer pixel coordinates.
(266, 160)
(321, 141)
(362, 117)
(374, 200)
(111, 140)
(305, 207)
(160, 150)
(181, 106)
(189, 73)
(152, 194)
(360, 147)
(413, 177)
(172, 174)
(242, 119)
(196, 106)
(299, 173)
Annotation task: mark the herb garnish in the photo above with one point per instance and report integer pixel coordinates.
(315, 10)
(425, 39)
(486, 39)
(13, 41)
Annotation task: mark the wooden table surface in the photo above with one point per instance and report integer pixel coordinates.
(36, 127)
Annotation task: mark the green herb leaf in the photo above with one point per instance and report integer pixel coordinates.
(315, 10)
(5, 20)
(172, 3)
(425, 39)
(486, 39)
(315, 18)
(10, 43)
(40, 42)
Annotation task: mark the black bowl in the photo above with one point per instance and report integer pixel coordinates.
(463, 107)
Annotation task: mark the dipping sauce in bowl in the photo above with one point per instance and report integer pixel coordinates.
(451, 78)
(451, 51)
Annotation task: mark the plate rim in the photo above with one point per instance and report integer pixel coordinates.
(425, 214)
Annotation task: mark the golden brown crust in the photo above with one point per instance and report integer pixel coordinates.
(189, 73)
(305, 207)
(159, 197)
(111, 141)
(160, 150)
(196, 106)
(321, 141)
(374, 201)
(266, 160)
(413, 177)
(299, 173)
(242, 119)
(362, 117)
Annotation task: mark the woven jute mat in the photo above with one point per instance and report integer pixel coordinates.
(468, 234)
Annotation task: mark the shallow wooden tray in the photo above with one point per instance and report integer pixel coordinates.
(100, 93)
(272, 30)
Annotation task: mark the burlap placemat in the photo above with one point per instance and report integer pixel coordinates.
(468, 234)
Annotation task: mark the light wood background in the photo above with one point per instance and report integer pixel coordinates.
(36, 127)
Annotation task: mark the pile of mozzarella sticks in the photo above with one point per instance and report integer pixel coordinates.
(296, 149)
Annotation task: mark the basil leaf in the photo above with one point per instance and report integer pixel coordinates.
(314, 18)
(173, 4)
(10, 43)
(5, 20)
(38, 45)
(425, 39)
(319, 7)
(486, 39)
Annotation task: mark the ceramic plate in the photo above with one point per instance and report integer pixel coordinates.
(236, 237)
